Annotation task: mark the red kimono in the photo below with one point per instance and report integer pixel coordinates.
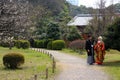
(100, 52)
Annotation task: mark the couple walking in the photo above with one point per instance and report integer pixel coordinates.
(97, 49)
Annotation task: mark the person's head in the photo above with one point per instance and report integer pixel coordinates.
(90, 37)
(100, 38)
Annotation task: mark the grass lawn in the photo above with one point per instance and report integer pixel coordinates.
(111, 63)
(35, 63)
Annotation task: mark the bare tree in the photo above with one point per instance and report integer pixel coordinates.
(102, 17)
(14, 19)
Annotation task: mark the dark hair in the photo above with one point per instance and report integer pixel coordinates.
(89, 36)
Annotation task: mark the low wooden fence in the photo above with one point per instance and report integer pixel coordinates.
(45, 73)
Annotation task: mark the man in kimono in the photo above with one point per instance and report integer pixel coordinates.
(90, 50)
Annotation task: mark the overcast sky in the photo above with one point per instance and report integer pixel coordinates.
(93, 3)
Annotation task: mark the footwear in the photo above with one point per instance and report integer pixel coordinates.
(98, 63)
(90, 63)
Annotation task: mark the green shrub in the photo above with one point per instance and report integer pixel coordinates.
(13, 60)
(73, 34)
(49, 45)
(4, 44)
(39, 44)
(46, 41)
(22, 44)
(18, 44)
(36, 43)
(112, 36)
(58, 45)
(25, 44)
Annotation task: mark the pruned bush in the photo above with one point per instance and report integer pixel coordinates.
(36, 43)
(18, 44)
(58, 44)
(22, 44)
(39, 44)
(46, 41)
(49, 45)
(25, 44)
(13, 60)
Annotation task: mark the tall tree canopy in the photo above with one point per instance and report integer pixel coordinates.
(53, 31)
(55, 12)
(54, 6)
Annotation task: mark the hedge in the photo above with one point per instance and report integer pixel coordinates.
(41, 43)
(58, 44)
(25, 44)
(49, 45)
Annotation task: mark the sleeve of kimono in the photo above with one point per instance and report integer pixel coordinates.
(103, 46)
(95, 47)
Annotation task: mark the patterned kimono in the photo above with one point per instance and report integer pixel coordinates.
(100, 52)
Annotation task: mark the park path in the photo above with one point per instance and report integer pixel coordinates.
(74, 68)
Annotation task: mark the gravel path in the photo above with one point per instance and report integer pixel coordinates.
(74, 68)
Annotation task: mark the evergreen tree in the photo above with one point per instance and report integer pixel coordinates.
(53, 31)
(41, 28)
(73, 34)
(113, 35)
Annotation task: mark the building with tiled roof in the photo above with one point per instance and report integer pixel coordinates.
(80, 20)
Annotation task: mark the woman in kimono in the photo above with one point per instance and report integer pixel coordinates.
(90, 50)
(100, 51)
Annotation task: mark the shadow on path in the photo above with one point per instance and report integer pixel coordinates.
(112, 63)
